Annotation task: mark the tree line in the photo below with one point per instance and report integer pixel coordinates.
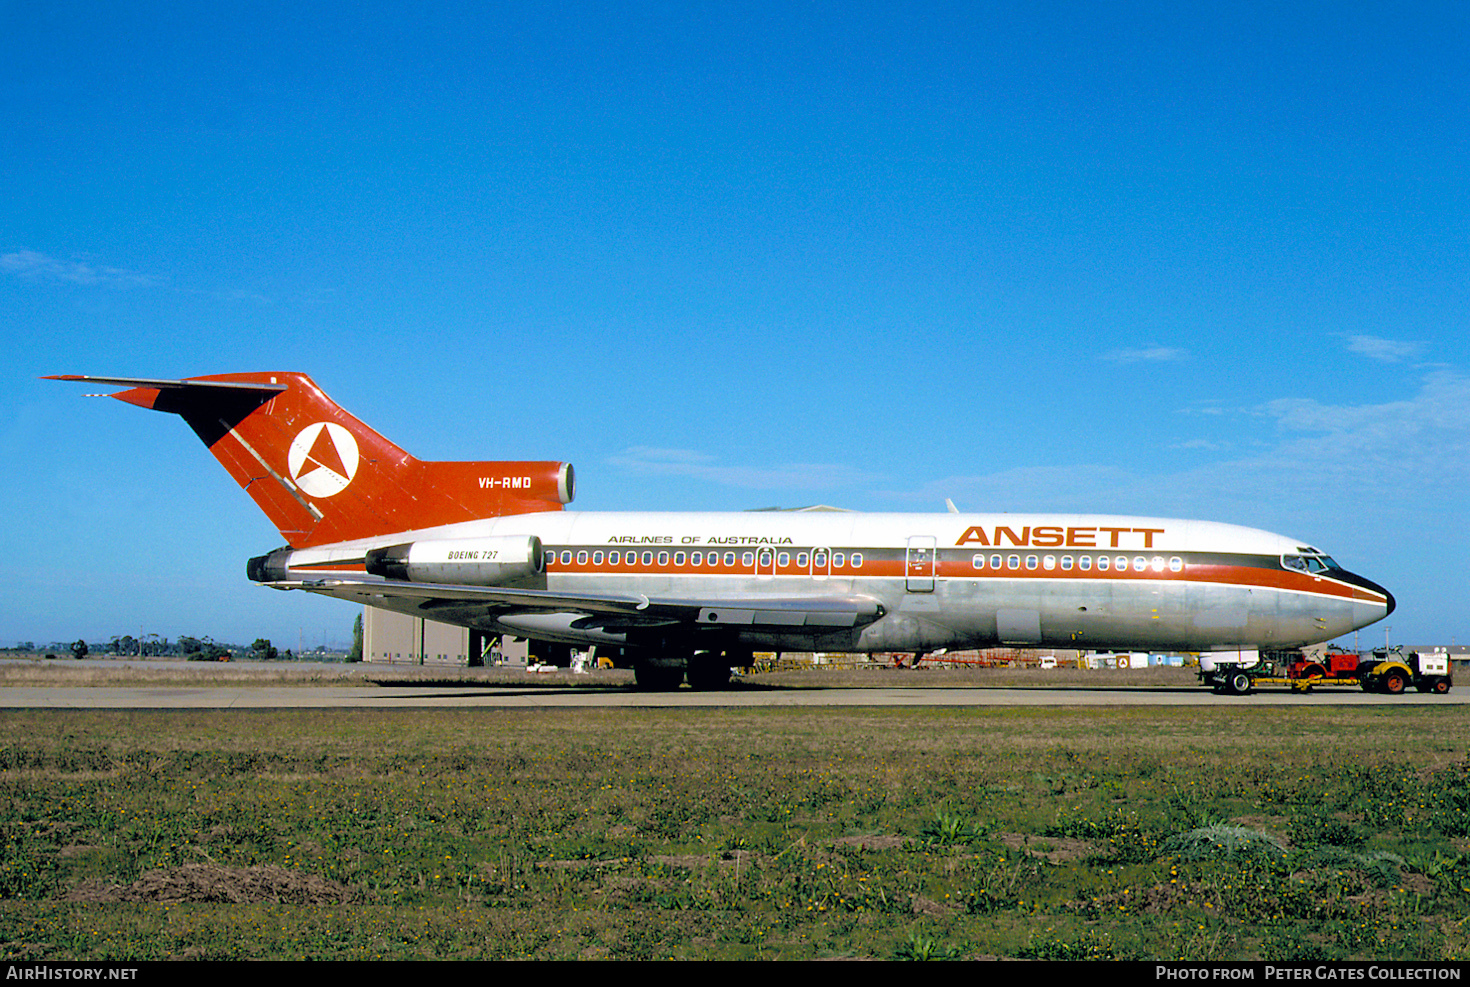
(157, 646)
(190, 648)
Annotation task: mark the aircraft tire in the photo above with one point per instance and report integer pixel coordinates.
(740, 658)
(653, 677)
(709, 671)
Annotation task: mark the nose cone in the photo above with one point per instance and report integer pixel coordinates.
(1373, 602)
(1392, 603)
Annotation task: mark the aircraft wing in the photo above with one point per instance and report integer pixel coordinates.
(816, 615)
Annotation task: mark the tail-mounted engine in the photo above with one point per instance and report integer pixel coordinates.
(497, 561)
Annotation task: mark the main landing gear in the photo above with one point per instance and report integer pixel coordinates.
(662, 670)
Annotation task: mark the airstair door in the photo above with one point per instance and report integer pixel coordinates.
(919, 564)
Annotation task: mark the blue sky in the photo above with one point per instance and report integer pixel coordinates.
(1141, 258)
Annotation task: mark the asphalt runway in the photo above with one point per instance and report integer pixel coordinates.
(520, 697)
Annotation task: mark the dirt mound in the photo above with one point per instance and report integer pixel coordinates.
(209, 882)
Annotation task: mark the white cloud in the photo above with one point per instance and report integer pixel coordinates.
(31, 264)
(1422, 437)
(1386, 350)
(1148, 354)
(1027, 488)
(650, 461)
(1400, 455)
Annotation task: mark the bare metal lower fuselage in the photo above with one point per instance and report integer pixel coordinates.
(1167, 585)
(961, 614)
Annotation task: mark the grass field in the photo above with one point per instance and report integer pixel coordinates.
(1068, 833)
(169, 672)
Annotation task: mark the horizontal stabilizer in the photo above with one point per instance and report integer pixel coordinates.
(200, 385)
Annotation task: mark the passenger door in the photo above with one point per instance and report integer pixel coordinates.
(919, 564)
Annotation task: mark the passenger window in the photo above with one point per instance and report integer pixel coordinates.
(784, 559)
(1103, 563)
(597, 558)
(995, 562)
(1049, 562)
(663, 558)
(801, 560)
(730, 558)
(819, 560)
(679, 559)
(837, 560)
(697, 558)
(1121, 563)
(857, 560)
(581, 558)
(747, 558)
(613, 558)
(978, 562)
(1066, 563)
(1014, 562)
(648, 558)
(566, 557)
(1085, 563)
(1139, 563)
(1176, 564)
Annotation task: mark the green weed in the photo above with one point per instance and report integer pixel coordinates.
(731, 834)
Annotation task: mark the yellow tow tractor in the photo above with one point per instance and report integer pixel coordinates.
(1393, 670)
(1387, 670)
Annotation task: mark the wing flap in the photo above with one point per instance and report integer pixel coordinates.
(820, 614)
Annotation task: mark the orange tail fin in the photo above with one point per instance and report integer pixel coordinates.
(322, 476)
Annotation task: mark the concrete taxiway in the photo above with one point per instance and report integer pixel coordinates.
(441, 696)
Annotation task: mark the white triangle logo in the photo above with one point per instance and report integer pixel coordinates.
(323, 459)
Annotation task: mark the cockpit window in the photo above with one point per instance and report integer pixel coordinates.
(1309, 563)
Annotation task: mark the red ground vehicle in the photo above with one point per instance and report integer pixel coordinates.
(1336, 665)
(1387, 670)
(1390, 670)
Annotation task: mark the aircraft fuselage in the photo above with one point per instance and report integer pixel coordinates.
(941, 580)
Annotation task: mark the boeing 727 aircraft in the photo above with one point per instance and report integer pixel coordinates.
(489, 546)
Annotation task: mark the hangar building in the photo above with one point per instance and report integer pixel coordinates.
(397, 638)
